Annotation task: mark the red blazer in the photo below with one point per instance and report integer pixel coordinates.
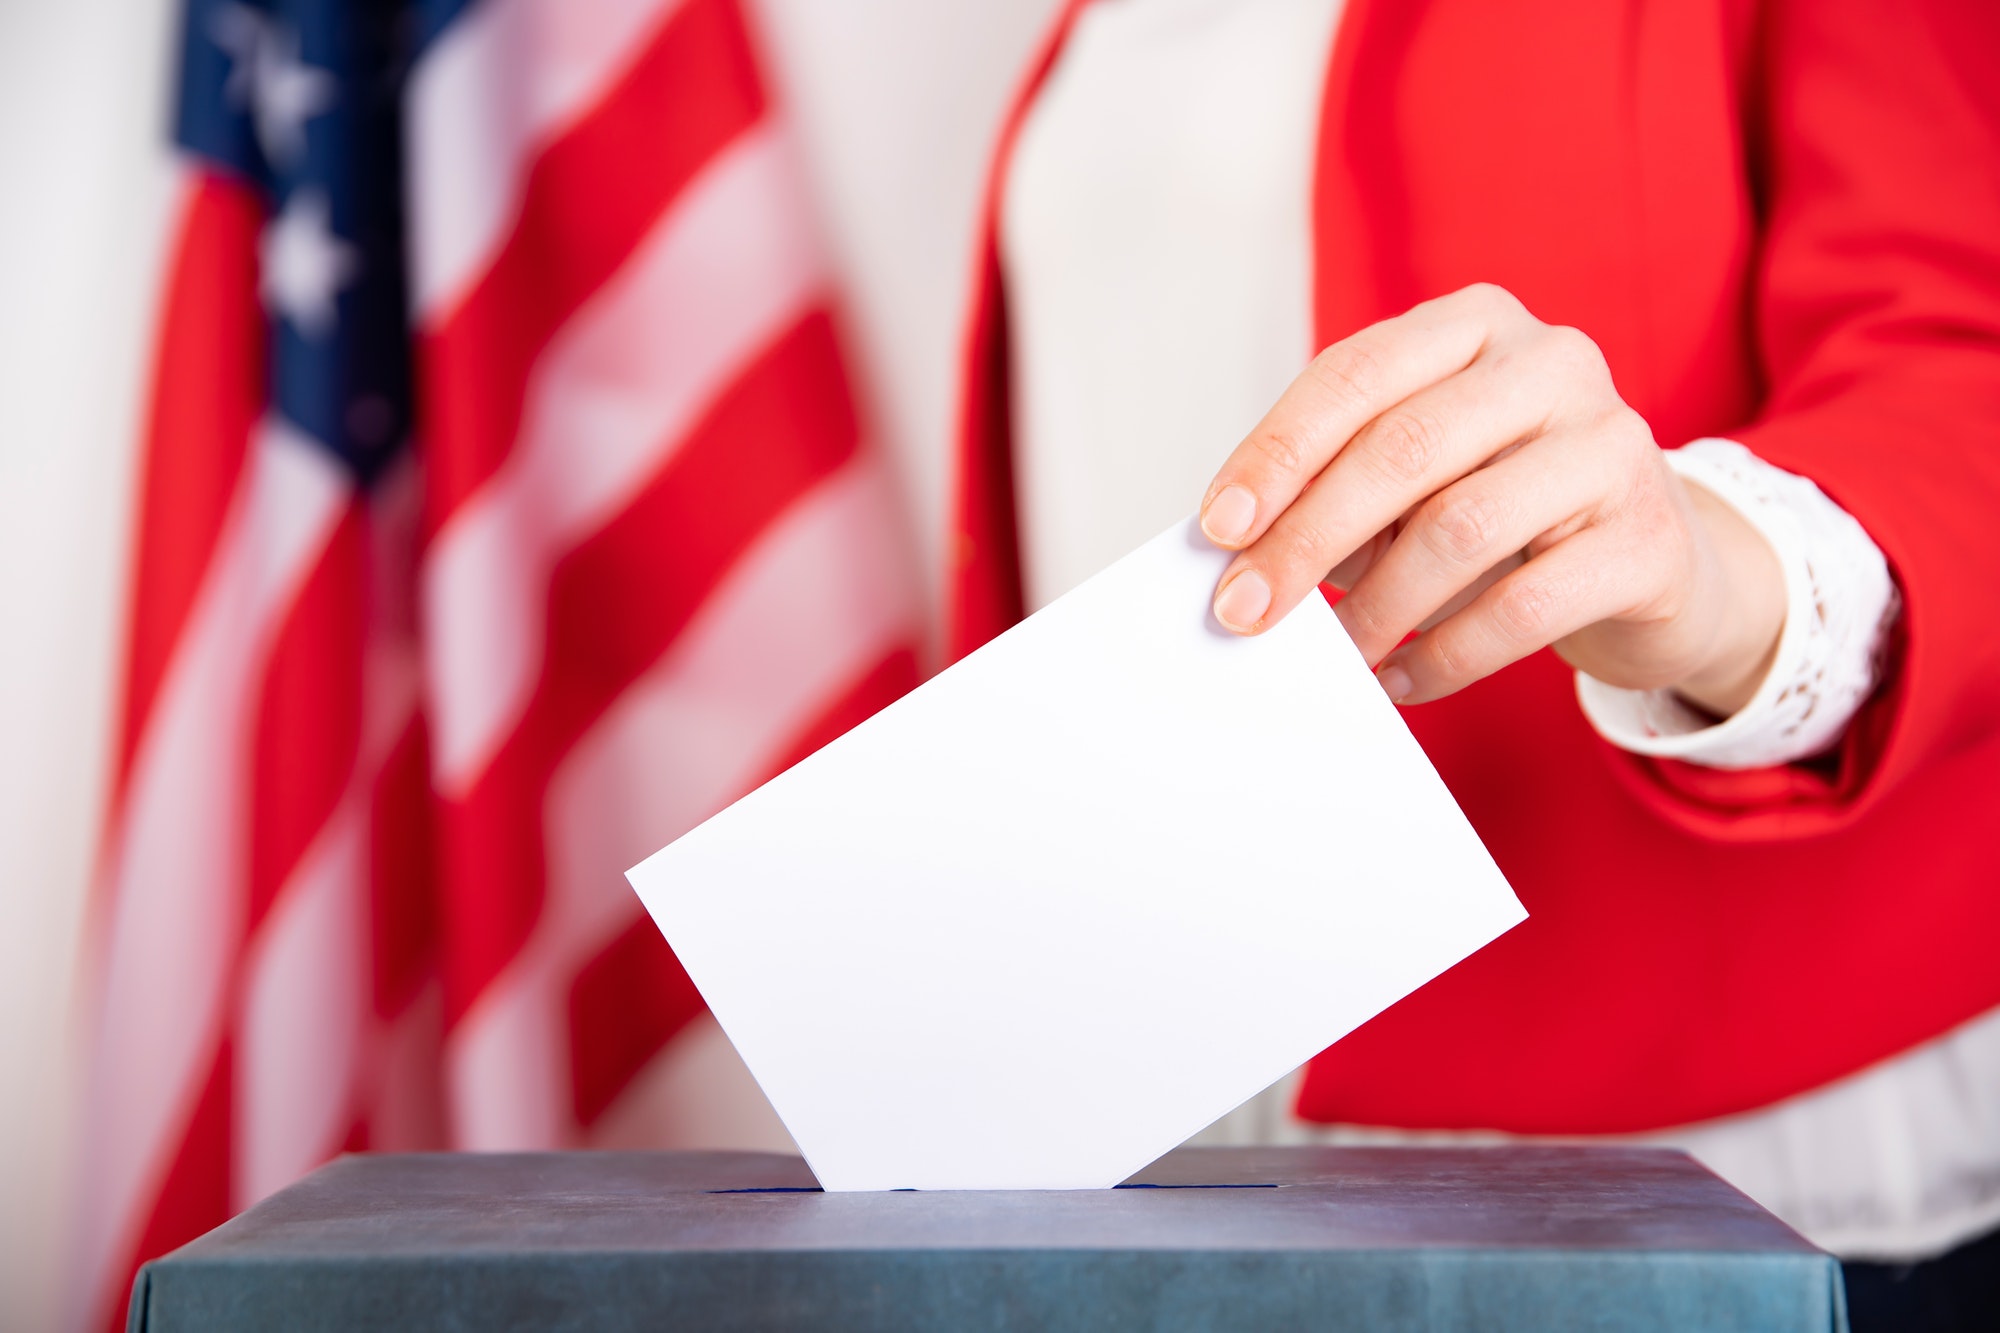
(1781, 221)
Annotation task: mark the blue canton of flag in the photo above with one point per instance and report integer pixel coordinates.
(303, 98)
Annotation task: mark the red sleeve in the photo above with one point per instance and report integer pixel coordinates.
(1875, 136)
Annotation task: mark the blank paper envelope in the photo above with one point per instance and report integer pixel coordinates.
(1080, 895)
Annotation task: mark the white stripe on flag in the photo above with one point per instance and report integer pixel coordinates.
(722, 274)
(306, 1008)
(304, 1012)
(177, 868)
(503, 80)
(818, 601)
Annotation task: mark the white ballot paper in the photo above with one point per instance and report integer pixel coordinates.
(1080, 895)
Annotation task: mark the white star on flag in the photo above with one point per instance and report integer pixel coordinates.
(266, 74)
(305, 265)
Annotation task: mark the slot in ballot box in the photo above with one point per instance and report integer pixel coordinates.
(1504, 1238)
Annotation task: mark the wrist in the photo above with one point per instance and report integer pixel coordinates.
(1748, 601)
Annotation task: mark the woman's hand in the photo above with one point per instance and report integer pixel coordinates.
(1468, 470)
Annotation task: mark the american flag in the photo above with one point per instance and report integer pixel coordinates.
(504, 515)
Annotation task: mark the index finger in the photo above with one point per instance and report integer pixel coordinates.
(1346, 386)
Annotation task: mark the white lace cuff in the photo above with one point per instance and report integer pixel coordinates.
(1840, 606)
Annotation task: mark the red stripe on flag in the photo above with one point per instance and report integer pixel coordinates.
(308, 722)
(624, 1005)
(632, 998)
(405, 908)
(615, 604)
(588, 202)
(207, 395)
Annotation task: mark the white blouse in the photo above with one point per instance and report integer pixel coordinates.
(1155, 236)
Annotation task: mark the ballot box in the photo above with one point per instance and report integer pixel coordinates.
(1504, 1238)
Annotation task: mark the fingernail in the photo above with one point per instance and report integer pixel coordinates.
(1229, 515)
(1243, 601)
(1395, 682)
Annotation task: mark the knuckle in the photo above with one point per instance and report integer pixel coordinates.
(1451, 657)
(1283, 451)
(1574, 350)
(1406, 446)
(1492, 298)
(1352, 376)
(1301, 546)
(1634, 455)
(1629, 431)
(1364, 617)
(1528, 608)
(1463, 528)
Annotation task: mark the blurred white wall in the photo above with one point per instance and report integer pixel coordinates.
(83, 195)
(896, 102)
